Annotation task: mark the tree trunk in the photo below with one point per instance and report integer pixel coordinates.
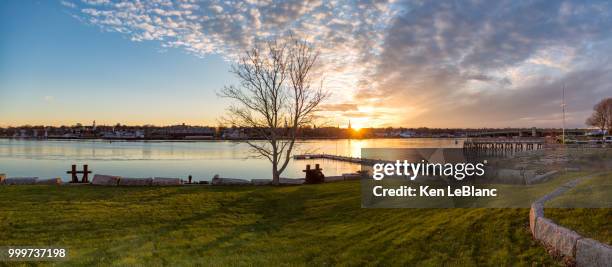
(276, 179)
(275, 174)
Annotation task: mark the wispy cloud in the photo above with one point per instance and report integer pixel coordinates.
(495, 61)
(68, 4)
(432, 63)
(340, 107)
(349, 35)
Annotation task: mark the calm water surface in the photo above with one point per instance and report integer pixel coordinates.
(19, 158)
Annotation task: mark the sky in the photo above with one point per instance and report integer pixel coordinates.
(386, 63)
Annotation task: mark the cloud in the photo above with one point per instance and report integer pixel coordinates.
(430, 63)
(491, 63)
(537, 103)
(340, 107)
(68, 4)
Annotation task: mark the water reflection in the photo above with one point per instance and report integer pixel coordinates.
(179, 159)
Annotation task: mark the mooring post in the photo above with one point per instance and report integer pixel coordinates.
(74, 179)
(86, 173)
(74, 172)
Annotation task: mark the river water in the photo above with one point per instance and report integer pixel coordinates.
(202, 159)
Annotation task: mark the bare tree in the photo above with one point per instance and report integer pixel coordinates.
(277, 96)
(602, 115)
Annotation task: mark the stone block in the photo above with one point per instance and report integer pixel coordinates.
(573, 183)
(261, 181)
(540, 178)
(229, 181)
(136, 181)
(51, 181)
(289, 181)
(559, 191)
(561, 239)
(329, 179)
(109, 180)
(351, 176)
(160, 181)
(20, 180)
(590, 252)
(536, 212)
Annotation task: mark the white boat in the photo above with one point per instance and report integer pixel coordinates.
(406, 134)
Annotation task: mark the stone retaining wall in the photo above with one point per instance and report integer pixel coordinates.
(235, 181)
(329, 179)
(20, 180)
(108, 180)
(591, 252)
(28, 181)
(52, 181)
(282, 181)
(228, 181)
(540, 178)
(135, 181)
(112, 180)
(161, 181)
(564, 241)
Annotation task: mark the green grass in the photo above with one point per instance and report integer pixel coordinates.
(590, 222)
(523, 195)
(508, 195)
(314, 225)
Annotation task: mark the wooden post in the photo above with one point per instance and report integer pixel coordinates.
(74, 172)
(86, 173)
(74, 177)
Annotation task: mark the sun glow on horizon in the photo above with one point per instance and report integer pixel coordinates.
(359, 123)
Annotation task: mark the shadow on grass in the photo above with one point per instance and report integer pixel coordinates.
(314, 224)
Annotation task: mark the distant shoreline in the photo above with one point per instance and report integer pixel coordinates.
(214, 139)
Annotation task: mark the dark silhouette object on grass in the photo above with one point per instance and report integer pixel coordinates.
(314, 176)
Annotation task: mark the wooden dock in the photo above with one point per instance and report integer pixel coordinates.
(362, 161)
(504, 144)
(472, 144)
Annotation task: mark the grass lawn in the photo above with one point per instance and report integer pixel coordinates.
(315, 225)
(595, 223)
